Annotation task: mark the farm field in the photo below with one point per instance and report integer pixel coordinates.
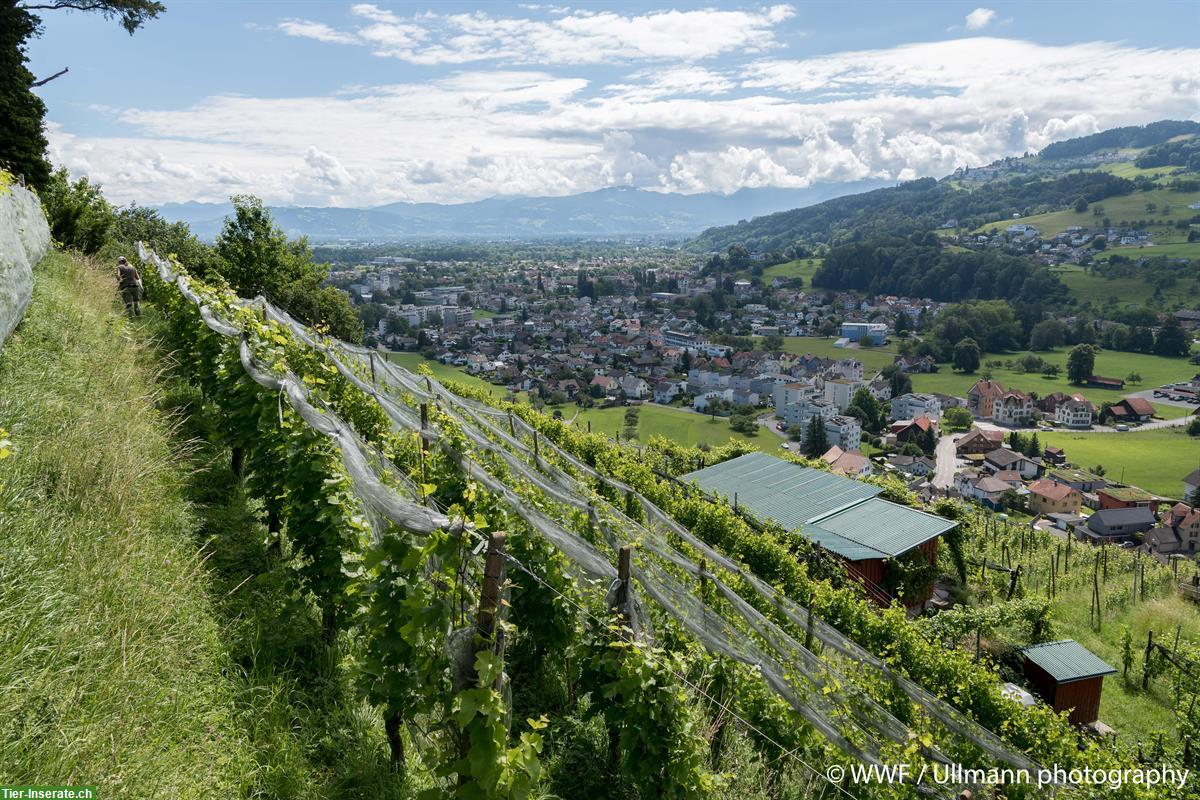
(1099, 291)
(1156, 460)
(1172, 249)
(1155, 370)
(873, 358)
(800, 268)
(1125, 208)
(1127, 169)
(411, 361)
(682, 426)
(676, 424)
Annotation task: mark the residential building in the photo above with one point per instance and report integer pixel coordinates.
(916, 404)
(1132, 409)
(982, 397)
(1002, 459)
(790, 393)
(1048, 497)
(978, 442)
(1125, 497)
(1184, 521)
(840, 391)
(1013, 408)
(847, 462)
(1078, 479)
(1118, 524)
(1075, 412)
(1191, 484)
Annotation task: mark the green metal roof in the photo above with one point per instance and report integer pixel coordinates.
(1067, 660)
(885, 526)
(840, 514)
(780, 490)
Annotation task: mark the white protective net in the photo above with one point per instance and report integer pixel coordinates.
(24, 240)
(688, 581)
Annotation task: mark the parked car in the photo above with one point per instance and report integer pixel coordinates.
(786, 446)
(1122, 427)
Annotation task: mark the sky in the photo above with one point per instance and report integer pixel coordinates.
(360, 104)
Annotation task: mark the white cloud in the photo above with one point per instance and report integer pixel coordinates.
(573, 37)
(909, 111)
(316, 30)
(979, 18)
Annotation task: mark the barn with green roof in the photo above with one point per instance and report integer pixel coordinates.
(844, 516)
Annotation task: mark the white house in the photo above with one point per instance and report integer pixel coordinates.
(840, 391)
(916, 404)
(787, 394)
(1074, 413)
(798, 413)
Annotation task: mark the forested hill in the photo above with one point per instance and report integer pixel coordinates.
(912, 207)
(1119, 138)
(918, 266)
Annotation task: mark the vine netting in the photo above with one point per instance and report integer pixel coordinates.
(388, 483)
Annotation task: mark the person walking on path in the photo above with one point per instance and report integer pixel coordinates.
(129, 281)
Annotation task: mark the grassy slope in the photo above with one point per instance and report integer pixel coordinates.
(1131, 291)
(1130, 207)
(153, 645)
(1155, 460)
(112, 669)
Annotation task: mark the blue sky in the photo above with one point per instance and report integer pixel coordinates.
(363, 103)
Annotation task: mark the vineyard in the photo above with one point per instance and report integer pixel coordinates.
(507, 576)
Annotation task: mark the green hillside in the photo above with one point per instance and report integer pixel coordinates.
(1121, 211)
(113, 666)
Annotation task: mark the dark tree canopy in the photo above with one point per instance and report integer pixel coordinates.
(22, 139)
(918, 266)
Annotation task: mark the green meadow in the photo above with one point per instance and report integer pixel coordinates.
(1155, 460)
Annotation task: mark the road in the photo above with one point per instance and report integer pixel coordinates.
(1146, 426)
(947, 461)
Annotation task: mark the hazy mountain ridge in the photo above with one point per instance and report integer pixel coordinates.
(605, 212)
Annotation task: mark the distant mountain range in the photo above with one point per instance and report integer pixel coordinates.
(606, 212)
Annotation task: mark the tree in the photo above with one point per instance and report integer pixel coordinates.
(1081, 205)
(257, 258)
(867, 410)
(79, 216)
(898, 380)
(1171, 340)
(1033, 448)
(22, 140)
(1081, 363)
(1047, 335)
(956, 418)
(816, 440)
(966, 355)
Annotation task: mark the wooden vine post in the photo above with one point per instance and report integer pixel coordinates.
(620, 606)
(488, 633)
(1146, 659)
(490, 596)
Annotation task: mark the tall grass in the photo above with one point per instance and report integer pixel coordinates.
(112, 669)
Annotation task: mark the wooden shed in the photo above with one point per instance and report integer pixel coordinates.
(1068, 676)
(845, 517)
